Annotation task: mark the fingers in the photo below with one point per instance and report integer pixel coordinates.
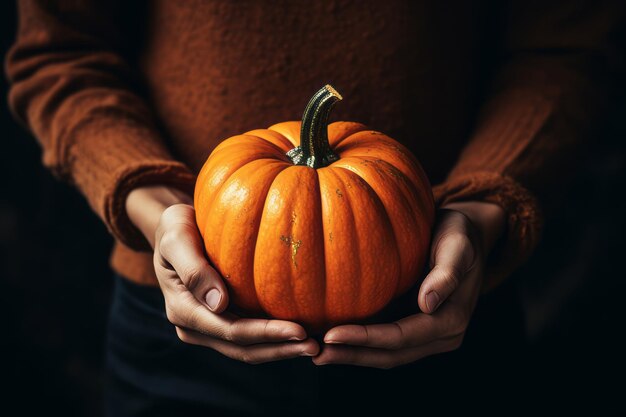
(455, 276)
(227, 327)
(254, 354)
(249, 331)
(413, 331)
(453, 255)
(408, 332)
(194, 294)
(179, 254)
(381, 358)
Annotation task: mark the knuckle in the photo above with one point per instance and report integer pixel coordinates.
(234, 333)
(288, 351)
(400, 340)
(461, 219)
(172, 213)
(192, 277)
(463, 242)
(268, 329)
(450, 276)
(233, 336)
(162, 268)
(458, 240)
(172, 237)
(453, 220)
(212, 329)
(223, 334)
(158, 262)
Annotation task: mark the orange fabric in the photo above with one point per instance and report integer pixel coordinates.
(492, 102)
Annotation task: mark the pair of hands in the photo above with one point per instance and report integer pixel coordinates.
(196, 297)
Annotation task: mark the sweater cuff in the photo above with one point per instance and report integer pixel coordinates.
(524, 220)
(109, 156)
(168, 173)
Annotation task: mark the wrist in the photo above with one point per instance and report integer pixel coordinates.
(488, 218)
(144, 206)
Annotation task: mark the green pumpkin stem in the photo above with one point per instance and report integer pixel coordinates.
(314, 150)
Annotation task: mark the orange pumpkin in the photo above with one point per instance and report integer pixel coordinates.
(320, 224)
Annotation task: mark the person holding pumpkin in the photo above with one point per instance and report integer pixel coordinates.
(128, 102)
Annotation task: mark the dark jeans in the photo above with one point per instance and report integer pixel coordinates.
(151, 373)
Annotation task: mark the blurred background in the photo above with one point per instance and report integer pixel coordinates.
(55, 282)
(54, 277)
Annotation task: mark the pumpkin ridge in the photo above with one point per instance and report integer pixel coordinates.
(388, 221)
(286, 143)
(403, 196)
(322, 278)
(324, 281)
(362, 141)
(356, 265)
(200, 191)
(417, 177)
(217, 237)
(336, 141)
(289, 130)
(257, 252)
(225, 145)
(359, 288)
(391, 170)
(218, 190)
(292, 286)
(217, 155)
(419, 199)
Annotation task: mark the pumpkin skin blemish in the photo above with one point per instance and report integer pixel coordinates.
(295, 245)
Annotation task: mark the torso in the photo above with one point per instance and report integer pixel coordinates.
(220, 68)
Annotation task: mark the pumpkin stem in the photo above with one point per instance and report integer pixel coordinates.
(314, 150)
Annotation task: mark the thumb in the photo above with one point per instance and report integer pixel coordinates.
(453, 257)
(181, 252)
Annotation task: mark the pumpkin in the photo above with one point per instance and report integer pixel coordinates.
(315, 223)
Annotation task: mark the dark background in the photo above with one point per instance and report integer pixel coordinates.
(56, 283)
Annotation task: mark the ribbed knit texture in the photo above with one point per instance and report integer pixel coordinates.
(121, 95)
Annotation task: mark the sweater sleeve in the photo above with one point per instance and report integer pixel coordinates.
(560, 61)
(72, 88)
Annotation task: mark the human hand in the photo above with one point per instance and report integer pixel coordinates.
(464, 234)
(195, 295)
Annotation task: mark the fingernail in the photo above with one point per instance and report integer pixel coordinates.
(432, 300)
(298, 338)
(332, 342)
(213, 298)
(307, 354)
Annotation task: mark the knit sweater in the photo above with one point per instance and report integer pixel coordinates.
(493, 99)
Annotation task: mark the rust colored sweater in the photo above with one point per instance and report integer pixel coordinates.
(491, 101)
